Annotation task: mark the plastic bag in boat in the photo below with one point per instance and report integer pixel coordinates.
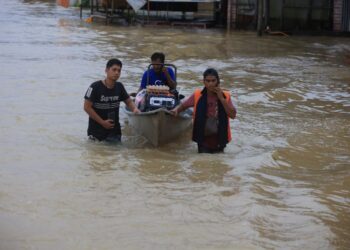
(140, 100)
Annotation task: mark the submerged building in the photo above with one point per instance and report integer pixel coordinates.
(294, 16)
(290, 15)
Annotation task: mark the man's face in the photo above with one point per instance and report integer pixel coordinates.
(157, 68)
(113, 72)
(210, 82)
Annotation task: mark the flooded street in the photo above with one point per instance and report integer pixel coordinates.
(283, 182)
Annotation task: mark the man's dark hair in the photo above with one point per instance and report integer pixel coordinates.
(158, 55)
(211, 72)
(112, 62)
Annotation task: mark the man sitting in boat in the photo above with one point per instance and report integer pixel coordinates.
(212, 109)
(158, 86)
(158, 74)
(102, 100)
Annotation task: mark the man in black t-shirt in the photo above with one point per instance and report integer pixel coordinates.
(102, 101)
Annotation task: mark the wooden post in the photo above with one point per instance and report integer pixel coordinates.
(337, 15)
(282, 16)
(148, 7)
(106, 9)
(260, 17)
(309, 14)
(330, 14)
(229, 14)
(267, 13)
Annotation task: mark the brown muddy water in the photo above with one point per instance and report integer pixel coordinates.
(283, 182)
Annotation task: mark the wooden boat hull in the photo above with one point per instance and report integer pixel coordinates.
(159, 126)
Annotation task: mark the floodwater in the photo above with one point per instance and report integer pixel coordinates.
(283, 182)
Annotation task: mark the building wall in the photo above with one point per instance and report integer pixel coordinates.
(241, 14)
(205, 11)
(337, 14)
(346, 16)
(288, 15)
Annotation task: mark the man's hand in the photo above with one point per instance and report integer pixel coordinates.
(108, 124)
(174, 112)
(131, 106)
(178, 109)
(218, 91)
(136, 111)
(169, 81)
(165, 70)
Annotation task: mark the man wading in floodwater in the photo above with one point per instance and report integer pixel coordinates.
(102, 101)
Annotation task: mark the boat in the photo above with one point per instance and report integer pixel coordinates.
(160, 126)
(156, 123)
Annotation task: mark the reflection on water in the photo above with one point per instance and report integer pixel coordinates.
(282, 183)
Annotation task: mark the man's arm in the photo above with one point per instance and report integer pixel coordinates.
(178, 109)
(107, 124)
(131, 106)
(229, 109)
(169, 80)
(189, 102)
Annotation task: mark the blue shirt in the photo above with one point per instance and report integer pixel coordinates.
(156, 79)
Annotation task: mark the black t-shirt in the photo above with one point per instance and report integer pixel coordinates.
(106, 104)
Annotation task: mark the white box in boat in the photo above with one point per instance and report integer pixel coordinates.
(161, 101)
